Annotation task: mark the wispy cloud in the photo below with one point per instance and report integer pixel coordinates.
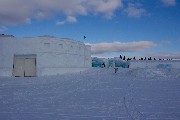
(169, 2)
(13, 12)
(3, 29)
(135, 10)
(100, 48)
(69, 19)
(173, 55)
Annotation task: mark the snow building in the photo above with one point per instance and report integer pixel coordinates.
(41, 56)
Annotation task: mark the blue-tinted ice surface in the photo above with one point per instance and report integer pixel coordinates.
(116, 62)
(95, 94)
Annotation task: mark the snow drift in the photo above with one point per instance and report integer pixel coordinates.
(95, 94)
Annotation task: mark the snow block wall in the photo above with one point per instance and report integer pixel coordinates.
(154, 64)
(53, 56)
(110, 62)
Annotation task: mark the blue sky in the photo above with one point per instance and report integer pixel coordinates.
(111, 27)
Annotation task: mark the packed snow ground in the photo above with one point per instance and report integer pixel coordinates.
(95, 94)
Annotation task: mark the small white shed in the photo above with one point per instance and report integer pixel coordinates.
(40, 56)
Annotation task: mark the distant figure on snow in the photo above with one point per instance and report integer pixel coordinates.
(103, 65)
(116, 69)
(120, 57)
(124, 58)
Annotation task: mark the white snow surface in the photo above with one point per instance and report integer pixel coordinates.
(95, 94)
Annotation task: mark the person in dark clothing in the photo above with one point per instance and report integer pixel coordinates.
(103, 65)
(116, 69)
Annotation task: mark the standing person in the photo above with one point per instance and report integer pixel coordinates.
(116, 69)
(103, 65)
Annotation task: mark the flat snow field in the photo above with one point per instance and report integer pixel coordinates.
(95, 94)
